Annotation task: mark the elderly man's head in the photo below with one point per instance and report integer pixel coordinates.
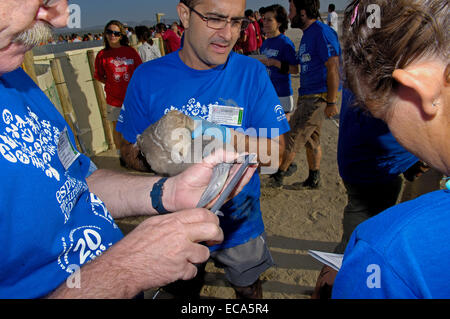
(24, 24)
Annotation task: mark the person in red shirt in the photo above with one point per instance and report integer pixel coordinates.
(259, 38)
(171, 39)
(259, 15)
(250, 44)
(114, 66)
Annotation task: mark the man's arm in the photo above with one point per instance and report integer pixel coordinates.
(124, 194)
(332, 66)
(129, 194)
(161, 249)
(133, 158)
(293, 68)
(268, 150)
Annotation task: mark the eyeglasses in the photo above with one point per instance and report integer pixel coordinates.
(48, 3)
(115, 33)
(218, 23)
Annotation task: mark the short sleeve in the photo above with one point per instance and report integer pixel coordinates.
(266, 109)
(99, 73)
(329, 45)
(290, 55)
(134, 108)
(365, 274)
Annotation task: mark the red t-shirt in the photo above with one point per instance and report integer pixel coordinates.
(250, 44)
(259, 39)
(116, 66)
(173, 40)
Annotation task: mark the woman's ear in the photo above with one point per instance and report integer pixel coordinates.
(184, 14)
(423, 80)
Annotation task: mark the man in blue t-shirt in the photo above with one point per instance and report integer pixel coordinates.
(318, 57)
(57, 231)
(204, 79)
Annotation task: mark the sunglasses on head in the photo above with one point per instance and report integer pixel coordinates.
(115, 33)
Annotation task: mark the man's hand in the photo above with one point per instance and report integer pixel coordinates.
(184, 190)
(331, 110)
(165, 248)
(162, 249)
(133, 157)
(324, 283)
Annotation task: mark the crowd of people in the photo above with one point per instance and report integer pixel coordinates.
(59, 209)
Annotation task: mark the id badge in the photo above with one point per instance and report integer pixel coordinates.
(226, 115)
(67, 153)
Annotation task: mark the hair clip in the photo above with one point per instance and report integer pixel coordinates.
(355, 14)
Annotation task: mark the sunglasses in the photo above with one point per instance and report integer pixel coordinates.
(115, 33)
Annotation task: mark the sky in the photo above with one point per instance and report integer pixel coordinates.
(99, 12)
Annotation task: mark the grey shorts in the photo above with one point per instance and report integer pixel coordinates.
(112, 112)
(244, 264)
(287, 102)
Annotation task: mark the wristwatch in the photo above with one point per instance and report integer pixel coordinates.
(156, 196)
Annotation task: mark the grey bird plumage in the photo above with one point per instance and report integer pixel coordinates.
(169, 149)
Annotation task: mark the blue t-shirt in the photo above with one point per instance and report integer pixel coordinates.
(318, 44)
(402, 253)
(241, 82)
(367, 151)
(49, 221)
(282, 49)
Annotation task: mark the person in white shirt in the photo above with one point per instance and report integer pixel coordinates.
(332, 19)
(147, 49)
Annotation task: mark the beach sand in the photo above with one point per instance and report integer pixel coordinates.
(295, 221)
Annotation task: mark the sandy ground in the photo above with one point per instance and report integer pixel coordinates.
(295, 221)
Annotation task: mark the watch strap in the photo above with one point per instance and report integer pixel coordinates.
(156, 196)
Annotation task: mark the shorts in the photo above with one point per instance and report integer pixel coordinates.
(112, 112)
(306, 123)
(287, 102)
(244, 263)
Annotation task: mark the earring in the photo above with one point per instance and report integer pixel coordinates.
(447, 184)
(435, 103)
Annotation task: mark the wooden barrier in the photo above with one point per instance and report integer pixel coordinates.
(28, 66)
(64, 97)
(101, 100)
